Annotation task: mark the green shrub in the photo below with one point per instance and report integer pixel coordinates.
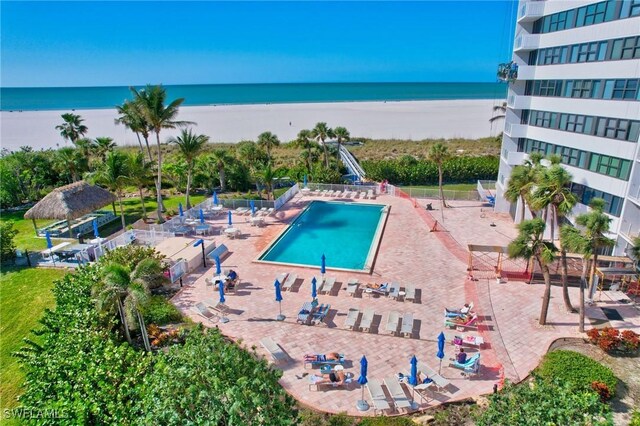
(386, 421)
(543, 402)
(160, 311)
(7, 245)
(577, 370)
(130, 256)
(635, 418)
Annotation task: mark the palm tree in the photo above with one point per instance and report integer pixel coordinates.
(190, 146)
(342, 135)
(553, 190)
(268, 140)
(70, 160)
(502, 111)
(111, 291)
(250, 153)
(529, 245)
(321, 133)
(221, 158)
(521, 183)
(140, 175)
(151, 103)
(132, 118)
(596, 224)
(102, 146)
(304, 139)
(439, 153)
(634, 251)
(72, 128)
(85, 147)
(266, 176)
(573, 240)
(114, 174)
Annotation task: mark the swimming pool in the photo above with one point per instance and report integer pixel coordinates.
(346, 233)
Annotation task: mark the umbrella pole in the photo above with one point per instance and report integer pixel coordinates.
(280, 317)
(362, 405)
(440, 369)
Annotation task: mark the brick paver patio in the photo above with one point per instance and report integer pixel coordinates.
(435, 262)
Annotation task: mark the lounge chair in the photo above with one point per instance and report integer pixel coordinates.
(347, 194)
(474, 341)
(382, 290)
(348, 378)
(274, 349)
(378, 398)
(220, 307)
(352, 287)
(281, 277)
(367, 319)
(340, 361)
(392, 322)
(327, 285)
(471, 366)
(323, 193)
(363, 195)
(440, 382)
(262, 211)
(270, 211)
(371, 194)
(337, 194)
(469, 323)
(203, 311)
(352, 317)
(291, 279)
(240, 210)
(316, 192)
(304, 316)
(394, 291)
(459, 312)
(410, 292)
(407, 325)
(400, 399)
(320, 314)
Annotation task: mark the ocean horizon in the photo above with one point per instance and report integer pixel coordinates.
(61, 98)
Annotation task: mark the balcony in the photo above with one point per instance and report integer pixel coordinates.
(530, 11)
(515, 158)
(523, 43)
(514, 130)
(518, 101)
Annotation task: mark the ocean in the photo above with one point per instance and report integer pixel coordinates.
(62, 98)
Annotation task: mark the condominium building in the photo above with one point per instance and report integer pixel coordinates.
(577, 94)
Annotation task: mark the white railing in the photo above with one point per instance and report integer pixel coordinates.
(351, 163)
(178, 270)
(281, 200)
(120, 241)
(342, 187)
(152, 237)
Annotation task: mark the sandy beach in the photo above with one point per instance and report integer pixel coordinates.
(413, 120)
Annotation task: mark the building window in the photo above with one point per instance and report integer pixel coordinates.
(625, 89)
(592, 14)
(585, 89)
(584, 194)
(609, 166)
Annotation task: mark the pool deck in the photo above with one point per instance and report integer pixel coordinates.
(435, 262)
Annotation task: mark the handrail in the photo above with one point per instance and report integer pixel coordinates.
(350, 162)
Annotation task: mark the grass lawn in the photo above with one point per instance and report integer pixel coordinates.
(447, 186)
(24, 293)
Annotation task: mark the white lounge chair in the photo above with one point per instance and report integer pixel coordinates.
(329, 193)
(392, 322)
(400, 399)
(407, 325)
(440, 382)
(347, 194)
(352, 286)
(291, 279)
(316, 192)
(352, 317)
(371, 194)
(378, 398)
(410, 292)
(204, 312)
(240, 210)
(363, 194)
(270, 211)
(367, 319)
(394, 290)
(327, 285)
(323, 193)
(274, 349)
(337, 194)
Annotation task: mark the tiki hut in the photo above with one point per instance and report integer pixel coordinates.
(70, 202)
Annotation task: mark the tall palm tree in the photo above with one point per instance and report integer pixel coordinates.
(131, 117)
(553, 190)
(85, 147)
(529, 245)
(596, 224)
(304, 139)
(110, 293)
(521, 183)
(221, 158)
(439, 153)
(151, 103)
(572, 239)
(501, 110)
(321, 132)
(268, 140)
(265, 176)
(190, 146)
(114, 174)
(72, 128)
(342, 135)
(102, 146)
(70, 160)
(140, 175)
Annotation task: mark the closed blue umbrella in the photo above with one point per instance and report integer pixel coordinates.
(218, 270)
(362, 380)
(440, 353)
(180, 209)
(96, 234)
(314, 292)
(47, 235)
(323, 266)
(253, 208)
(215, 198)
(229, 215)
(276, 284)
(413, 378)
(221, 290)
(305, 181)
(201, 216)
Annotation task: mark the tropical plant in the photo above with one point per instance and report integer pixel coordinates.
(439, 153)
(501, 112)
(140, 175)
(72, 128)
(612, 340)
(150, 102)
(521, 183)
(321, 132)
(634, 251)
(190, 146)
(7, 245)
(267, 141)
(250, 153)
(69, 161)
(528, 245)
(342, 135)
(265, 176)
(221, 159)
(572, 239)
(85, 147)
(131, 117)
(114, 175)
(304, 139)
(102, 146)
(553, 190)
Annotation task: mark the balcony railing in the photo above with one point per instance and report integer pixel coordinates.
(514, 130)
(515, 158)
(530, 11)
(526, 42)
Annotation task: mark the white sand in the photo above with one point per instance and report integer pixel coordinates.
(413, 120)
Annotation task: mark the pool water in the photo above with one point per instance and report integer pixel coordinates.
(343, 232)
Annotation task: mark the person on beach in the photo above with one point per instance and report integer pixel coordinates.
(461, 358)
(335, 377)
(332, 356)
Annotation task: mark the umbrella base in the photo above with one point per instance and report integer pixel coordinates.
(414, 405)
(280, 317)
(224, 320)
(362, 405)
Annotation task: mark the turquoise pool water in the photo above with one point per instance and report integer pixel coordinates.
(343, 232)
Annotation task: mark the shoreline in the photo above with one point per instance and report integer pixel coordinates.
(409, 120)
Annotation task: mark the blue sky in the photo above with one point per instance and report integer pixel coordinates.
(124, 43)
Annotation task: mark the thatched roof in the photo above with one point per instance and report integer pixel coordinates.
(70, 202)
